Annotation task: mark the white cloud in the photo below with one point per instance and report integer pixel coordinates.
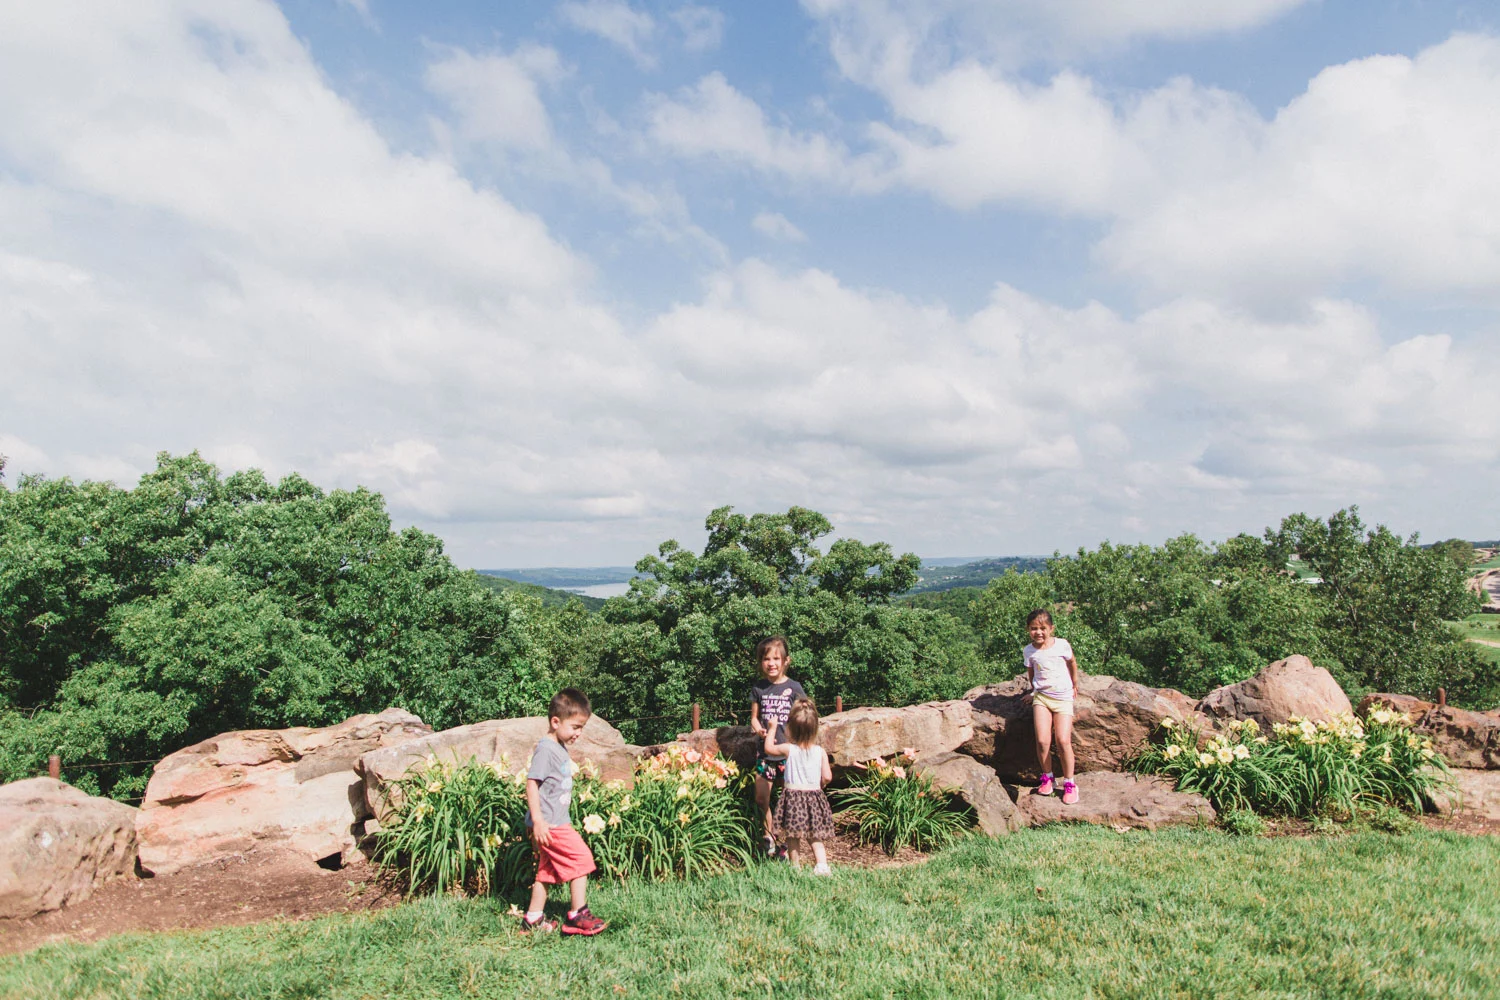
(495, 97)
(774, 225)
(702, 27)
(616, 22)
(712, 119)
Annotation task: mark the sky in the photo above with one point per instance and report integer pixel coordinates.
(559, 278)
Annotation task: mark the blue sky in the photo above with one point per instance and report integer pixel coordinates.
(558, 278)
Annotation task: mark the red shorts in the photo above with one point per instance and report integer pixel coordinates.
(567, 857)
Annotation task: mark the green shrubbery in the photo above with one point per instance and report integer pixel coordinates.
(463, 826)
(1306, 769)
(895, 808)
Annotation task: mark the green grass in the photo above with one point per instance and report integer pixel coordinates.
(1059, 912)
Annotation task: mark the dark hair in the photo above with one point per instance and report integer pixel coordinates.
(802, 722)
(1039, 613)
(764, 646)
(567, 703)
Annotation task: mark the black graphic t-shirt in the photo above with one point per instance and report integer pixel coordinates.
(775, 701)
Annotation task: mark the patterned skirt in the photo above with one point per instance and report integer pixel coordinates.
(804, 814)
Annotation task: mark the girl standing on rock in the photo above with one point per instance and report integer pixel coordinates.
(1053, 673)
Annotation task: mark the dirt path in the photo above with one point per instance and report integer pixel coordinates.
(241, 890)
(1486, 642)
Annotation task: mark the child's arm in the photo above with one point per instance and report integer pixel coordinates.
(755, 724)
(540, 831)
(1030, 681)
(1073, 671)
(774, 749)
(827, 770)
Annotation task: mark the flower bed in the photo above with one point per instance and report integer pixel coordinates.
(462, 827)
(1301, 768)
(895, 808)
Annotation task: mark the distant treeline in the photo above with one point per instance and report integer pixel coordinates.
(134, 622)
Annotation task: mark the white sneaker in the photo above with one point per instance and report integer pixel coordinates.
(822, 869)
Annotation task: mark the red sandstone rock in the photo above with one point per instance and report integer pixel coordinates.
(57, 844)
(1287, 688)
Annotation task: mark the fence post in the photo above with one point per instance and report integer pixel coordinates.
(1442, 698)
(696, 716)
(838, 703)
(54, 767)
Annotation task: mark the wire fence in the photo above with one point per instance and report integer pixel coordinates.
(695, 718)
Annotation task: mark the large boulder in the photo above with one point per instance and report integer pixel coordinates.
(862, 734)
(1473, 794)
(507, 740)
(57, 844)
(977, 785)
(1112, 719)
(1117, 800)
(283, 789)
(1465, 739)
(1288, 688)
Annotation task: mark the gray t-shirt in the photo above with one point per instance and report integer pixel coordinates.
(775, 701)
(552, 769)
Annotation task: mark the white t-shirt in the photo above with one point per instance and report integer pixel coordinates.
(1049, 669)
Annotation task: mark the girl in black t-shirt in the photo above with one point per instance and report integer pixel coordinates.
(771, 701)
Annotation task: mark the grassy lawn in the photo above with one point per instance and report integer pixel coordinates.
(1059, 912)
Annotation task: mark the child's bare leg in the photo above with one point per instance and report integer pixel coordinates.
(763, 803)
(1042, 719)
(794, 852)
(820, 854)
(538, 898)
(1065, 744)
(578, 892)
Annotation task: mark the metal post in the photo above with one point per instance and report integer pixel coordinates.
(696, 716)
(54, 767)
(838, 703)
(1442, 698)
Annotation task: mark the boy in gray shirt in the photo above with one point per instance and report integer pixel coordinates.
(561, 854)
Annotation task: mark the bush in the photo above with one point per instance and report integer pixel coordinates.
(1242, 823)
(1302, 768)
(462, 827)
(684, 817)
(459, 827)
(896, 808)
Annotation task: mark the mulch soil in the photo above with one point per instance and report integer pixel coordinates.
(254, 887)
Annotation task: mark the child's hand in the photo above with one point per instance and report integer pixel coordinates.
(541, 833)
(757, 728)
(1026, 698)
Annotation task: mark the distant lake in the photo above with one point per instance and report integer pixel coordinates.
(600, 590)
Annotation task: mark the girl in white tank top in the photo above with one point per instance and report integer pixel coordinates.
(802, 813)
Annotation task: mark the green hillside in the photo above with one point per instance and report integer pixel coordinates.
(550, 598)
(974, 574)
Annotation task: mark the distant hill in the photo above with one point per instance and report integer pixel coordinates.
(549, 597)
(935, 576)
(565, 576)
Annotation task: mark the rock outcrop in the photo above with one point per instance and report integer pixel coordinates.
(1112, 719)
(510, 740)
(862, 734)
(57, 844)
(1287, 688)
(977, 785)
(1118, 800)
(1472, 793)
(1412, 708)
(283, 789)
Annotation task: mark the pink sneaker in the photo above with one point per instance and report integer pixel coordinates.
(1070, 793)
(1045, 788)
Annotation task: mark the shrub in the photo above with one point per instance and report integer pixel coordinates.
(1242, 823)
(458, 827)
(1302, 768)
(894, 808)
(684, 817)
(462, 827)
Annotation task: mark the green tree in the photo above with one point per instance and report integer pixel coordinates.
(135, 622)
(685, 631)
(1386, 603)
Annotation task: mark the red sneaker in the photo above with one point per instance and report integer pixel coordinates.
(583, 922)
(1045, 788)
(1070, 793)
